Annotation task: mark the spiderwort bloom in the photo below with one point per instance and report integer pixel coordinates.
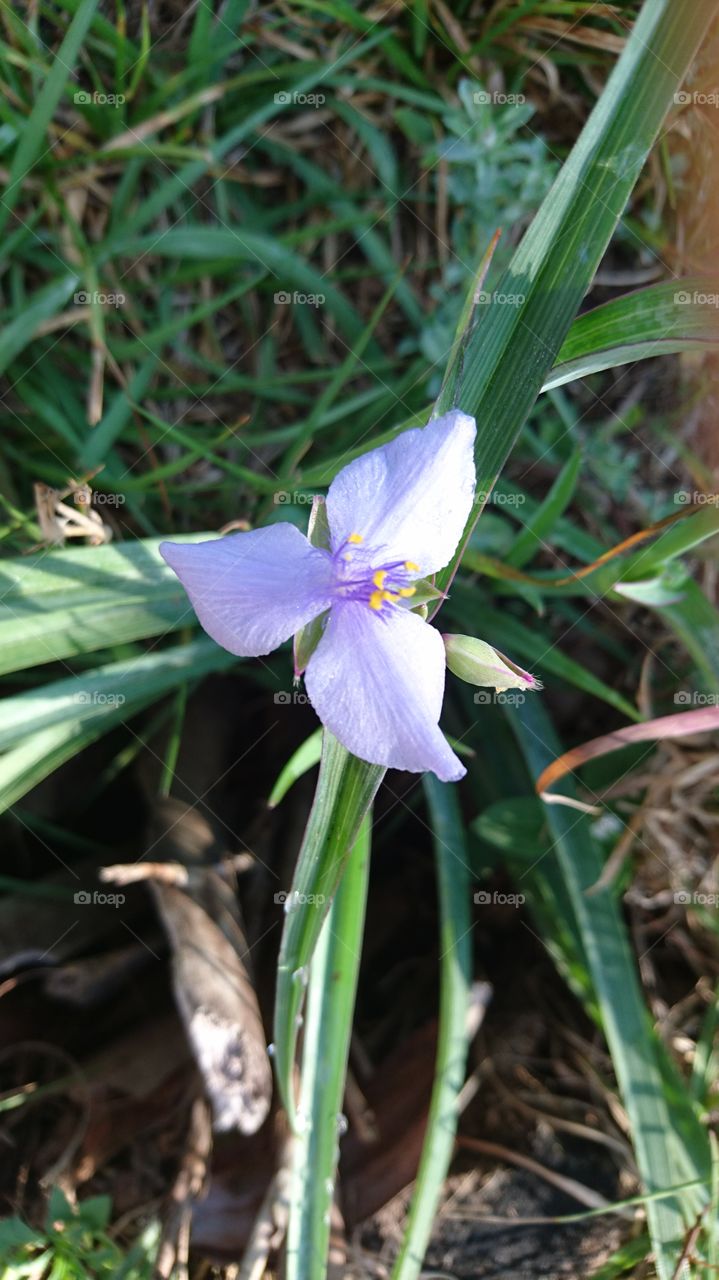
(376, 678)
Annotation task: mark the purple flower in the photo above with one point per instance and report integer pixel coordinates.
(376, 678)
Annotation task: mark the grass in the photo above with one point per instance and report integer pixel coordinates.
(237, 250)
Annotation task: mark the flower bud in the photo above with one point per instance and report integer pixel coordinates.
(479, 663)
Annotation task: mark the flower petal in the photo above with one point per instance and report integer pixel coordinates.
(253, 590)
(377, 684)
(410, 497)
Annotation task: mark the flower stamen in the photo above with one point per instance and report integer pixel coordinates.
(375, 587)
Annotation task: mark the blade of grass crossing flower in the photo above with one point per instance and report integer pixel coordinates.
(331, 992)
(452, 381)
(346, 788)
(453, 881)
(670, 1144)
(520, 332)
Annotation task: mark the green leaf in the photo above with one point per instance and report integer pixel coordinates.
(453, 876)
(60, 603)
(33, 137)
(675, 541)
(69, 725)
(325, 1049)
(305, 757)
(670, 1143)
(346, 788)
(116, 685)
(45, 303)
(205, 243)
(695, 620)
(662, 319)
(15, 1234)
(536, 646)
(517, 828)
(551, 509)
(514, 346)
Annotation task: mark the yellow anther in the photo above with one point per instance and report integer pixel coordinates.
(390, 595)
(411, 567)
(407, 591)
(355, 537)
(379, 577)
(376, 599)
